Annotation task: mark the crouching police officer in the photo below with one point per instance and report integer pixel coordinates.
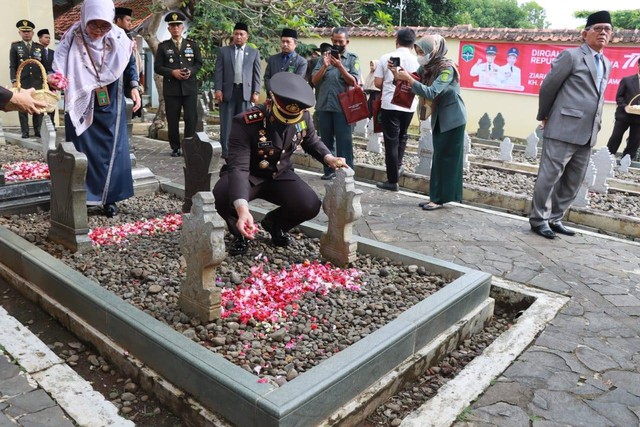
(259, 166)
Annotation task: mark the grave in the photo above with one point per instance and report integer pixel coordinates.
(506, 150)
(531, 152)
(201, 161)
(497, 132)
(484, 125)
(604, 163)
(425, 148)
(582, 199)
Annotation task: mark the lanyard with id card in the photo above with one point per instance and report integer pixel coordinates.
(102, 93)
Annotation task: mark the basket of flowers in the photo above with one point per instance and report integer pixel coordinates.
(633, 109)
(44, 94)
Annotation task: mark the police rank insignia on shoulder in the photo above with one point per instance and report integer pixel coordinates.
(253, 116)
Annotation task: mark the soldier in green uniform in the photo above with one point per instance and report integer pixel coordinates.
(31, 76)
(259, 165)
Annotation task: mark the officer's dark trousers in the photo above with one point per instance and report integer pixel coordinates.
(619, 128)
(173, 106)
(296, 201)
(24, 123)
(394, 131)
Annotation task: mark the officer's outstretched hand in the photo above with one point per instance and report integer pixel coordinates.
(335, 162)
(245, 223)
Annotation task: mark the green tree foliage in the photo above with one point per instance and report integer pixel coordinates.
(621, 19)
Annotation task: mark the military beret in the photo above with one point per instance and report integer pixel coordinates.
(25, 25)
(241, 26)
(288, 32)
(124, 11)
(43, 32)
(175, 18)
(291, 96)
(602, 17)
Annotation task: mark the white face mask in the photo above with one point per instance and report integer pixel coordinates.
(424, 59)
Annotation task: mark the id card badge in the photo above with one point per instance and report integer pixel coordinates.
(102, 96)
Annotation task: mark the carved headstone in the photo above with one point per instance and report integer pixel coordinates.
(202, 244)
(582, 199)
(69, 224)
(604, 163)
(201, 159)
(342, 205)
(498, 127)
(625, 163)
(374, 142)
(202, 112)
(425, 149)
(48, 135)
(539, 132)
(466, 165)
(506, 150)
(531, 152)
(360, 128)
(484, 125)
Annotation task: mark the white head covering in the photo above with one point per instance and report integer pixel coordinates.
(110, 53)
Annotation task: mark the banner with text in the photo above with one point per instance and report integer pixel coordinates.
(519, 67)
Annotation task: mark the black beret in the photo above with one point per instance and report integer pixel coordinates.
(292, 95)
(175, 18)
(120, 11)
(25, 25)
(602, 17)
(288, 32)
(43, 32)
(241, 26)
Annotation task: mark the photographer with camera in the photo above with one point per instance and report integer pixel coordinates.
(395, 119)
(332, 75)
(178, 60)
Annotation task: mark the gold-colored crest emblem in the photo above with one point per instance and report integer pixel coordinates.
(24, 23)
(263, 164)
(174, 17)
(292, 108)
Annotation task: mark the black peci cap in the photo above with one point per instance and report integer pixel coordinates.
(602, 17)
(291, 96)
(25, 25)
(288, 32)
(43, 32)
(241, 26)
(175, 18)
(123, 11)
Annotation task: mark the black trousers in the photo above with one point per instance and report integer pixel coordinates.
(619, 128)
(173, 105)
(296, 201)
(394, 132)
(24, 123)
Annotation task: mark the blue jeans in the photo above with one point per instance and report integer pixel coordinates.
(336, 135)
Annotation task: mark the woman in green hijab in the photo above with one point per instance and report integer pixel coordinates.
(440, 85)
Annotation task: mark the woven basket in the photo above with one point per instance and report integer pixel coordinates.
(633, 109)
(44, 94)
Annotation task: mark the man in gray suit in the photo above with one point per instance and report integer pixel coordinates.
(287, 60)
(237, 80)
(570, 110)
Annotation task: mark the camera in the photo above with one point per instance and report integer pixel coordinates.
(395, 61)
(335, 53)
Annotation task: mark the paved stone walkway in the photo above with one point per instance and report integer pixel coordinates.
(584, 369)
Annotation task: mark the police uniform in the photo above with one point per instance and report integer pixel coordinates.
(31, 76)
(259, 163)
(487, 72)
(179, 94)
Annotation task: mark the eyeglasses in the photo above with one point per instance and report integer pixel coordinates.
(95, 26)
(601, 28)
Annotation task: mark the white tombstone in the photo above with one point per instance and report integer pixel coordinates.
(604, 163)
(360, 128)
(374, 142)
(625, 162)
(531, 152)
(506, 149)
(48, 132)
(466, 165)
(425, 148)
(582, 199)
(2, 140)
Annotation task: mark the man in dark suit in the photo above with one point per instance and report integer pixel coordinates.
(178, 61)
(628, 90)
(261, 144)
(570, 109)
(31, 76)
(44, 38)
(237, 80)
(287, 60)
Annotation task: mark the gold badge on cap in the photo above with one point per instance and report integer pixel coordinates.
(292, 108)
(174, 16)
(25, 23)
(263, 164)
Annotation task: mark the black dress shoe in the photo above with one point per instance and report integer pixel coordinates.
(543, 230)
(110, 210)
(328, 176)
(559, 228)
(38, 135)
(25, 135)
(388, 186)
(175, 152)
(278, 237)
(239, 246)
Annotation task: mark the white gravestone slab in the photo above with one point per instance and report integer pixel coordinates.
(582, 199)
(374, 143)
(361, 128)
(531, 152)
(466, 165)
(48, 132)
(506, 149)
(425, 148)
(625, 163)
(604, 163)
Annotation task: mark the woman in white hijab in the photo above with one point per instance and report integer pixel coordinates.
(96, 58)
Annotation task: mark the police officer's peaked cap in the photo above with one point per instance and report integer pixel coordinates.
(492, 50)
(43, 32)
(25, 25)
(602, 17)
(292, 95)
(513, 51)
(175, 18)
(124, 11)
(288, 32)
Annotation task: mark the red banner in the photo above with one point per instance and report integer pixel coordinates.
(521, 68)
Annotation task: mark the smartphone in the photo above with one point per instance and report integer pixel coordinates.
(335, 53)
(395, 61)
